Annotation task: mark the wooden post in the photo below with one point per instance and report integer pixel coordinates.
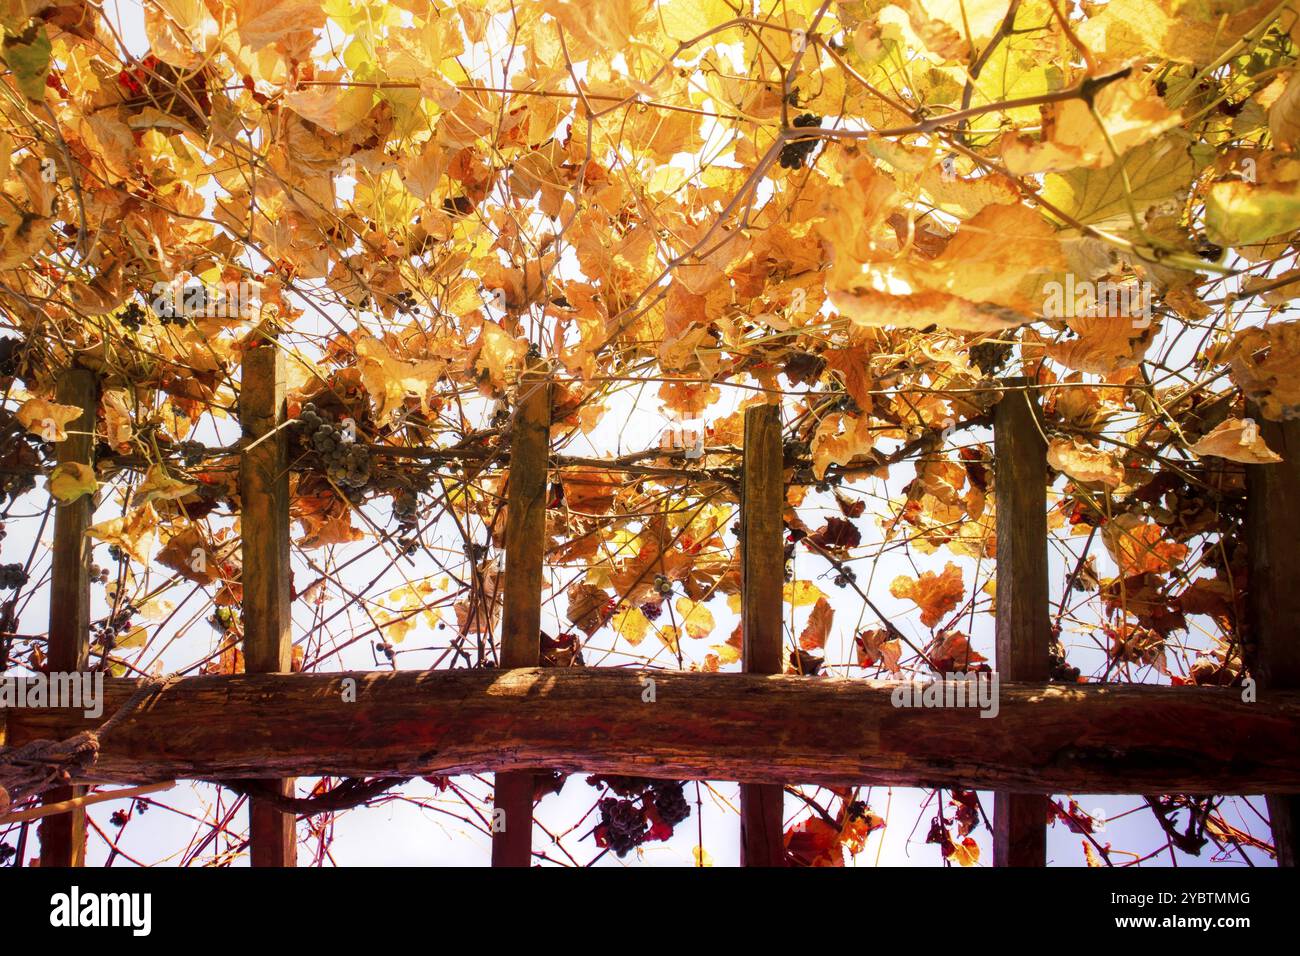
(63, 837)
(1273, 598)
(1023, 625)
(521, 619)
(264, 523)
(762, 576)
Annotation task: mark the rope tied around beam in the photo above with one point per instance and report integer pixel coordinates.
(40, 765)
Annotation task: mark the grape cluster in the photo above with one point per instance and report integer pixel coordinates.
(642, 811)
(848, 404)
(844, 576)
(796, 152)
(7, 852)
(1061, 671)
(106, 631)
(192, 453)
(406, 509)
(195, 297)
(11, 353)
(622, 825)
(989, 357)
(12, 576)
(829, 482)
(406, 303)
(670, 802)
(131, 317)
(663, 585)
(346, 462)
(15, 485)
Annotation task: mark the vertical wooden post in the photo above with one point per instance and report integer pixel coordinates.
(1273, 598)
(521, 618)
(1023, 624)
(264, 523)
(63, 836)
(762, 817)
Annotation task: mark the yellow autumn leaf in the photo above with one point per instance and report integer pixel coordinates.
(159, 486)
(1237, 440)
(799, 594)
(1263, 363)
(396, 627)
(389, 378)
(70, 480)
(262, 22)
(46, 420)
(965, 853)
(1085, 462)
(727, 653)
(498, 353)
(631, 624)
(1284, 115)
(135, 533)
(1130, 110)
(117, 419)
(694, 617)
(136, 637)
(332, 105)
(668, 636)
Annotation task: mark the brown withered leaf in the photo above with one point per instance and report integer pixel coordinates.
(935, 594)
(813, 637)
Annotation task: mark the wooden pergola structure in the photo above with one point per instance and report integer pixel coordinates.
(760, 727)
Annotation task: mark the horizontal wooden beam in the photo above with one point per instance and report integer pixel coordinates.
(753, 728)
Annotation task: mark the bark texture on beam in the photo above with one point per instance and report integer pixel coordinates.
(750, 728)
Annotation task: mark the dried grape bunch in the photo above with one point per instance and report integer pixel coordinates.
(192, 453)
(12, 576)
(347, 462)
(1061, 671)
(131, 317)
(622, 825)
(644, 811)
(796, 152)
(990, 357)
(670, 802)
(194, 299)
(406, 509)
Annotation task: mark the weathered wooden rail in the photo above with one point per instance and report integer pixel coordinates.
(760, 727)
(763, 729)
